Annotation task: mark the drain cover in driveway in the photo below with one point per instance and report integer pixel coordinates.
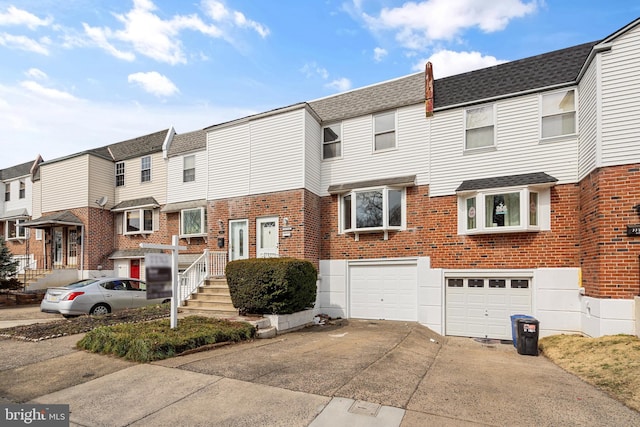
(364, 408)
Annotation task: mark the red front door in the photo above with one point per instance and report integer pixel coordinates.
(134, 271)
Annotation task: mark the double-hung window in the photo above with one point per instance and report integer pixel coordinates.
(479, 127)
(7, 192)
(189, 168)
(384, 129)
(145, 169)
(193, 222)
(332, 141)
(22, 192)
(138, 221)
(373, 209)
(558, 114)
(14, 230)
(119, 174)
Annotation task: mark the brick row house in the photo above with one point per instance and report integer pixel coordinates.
(514, 190)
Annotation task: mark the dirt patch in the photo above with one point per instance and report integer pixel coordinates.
(81, 324)
(611, 363)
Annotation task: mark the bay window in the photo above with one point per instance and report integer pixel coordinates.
(193, 222)
(14, 230)
(138, 221)
(373, 209)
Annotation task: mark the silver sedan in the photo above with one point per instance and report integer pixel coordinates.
(97, 296)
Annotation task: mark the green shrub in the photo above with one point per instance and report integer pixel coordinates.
(11, 284)
(272, 285)
(149, 341)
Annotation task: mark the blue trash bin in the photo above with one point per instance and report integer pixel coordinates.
(514, 326)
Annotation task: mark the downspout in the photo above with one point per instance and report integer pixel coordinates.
(82, 251)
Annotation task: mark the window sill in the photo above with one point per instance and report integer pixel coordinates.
(332, 159)
(386, 231)
(138, 233)
(500, 230)
(559, 138)
(479, 150)
(193, 236)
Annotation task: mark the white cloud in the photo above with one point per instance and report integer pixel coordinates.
(54, 94)
(379, 53)
(154, 83)
(311, 69)
(15, 16)
(35, 73)
(418, 24)
(100, 37)
(340, 85)
(25, 43)
(448, 63)
(54, 129)
(146, 33)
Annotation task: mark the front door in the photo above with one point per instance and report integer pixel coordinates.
(134, 270)
(58, 253)
(72, 247)
(238, 239)
(267, 237)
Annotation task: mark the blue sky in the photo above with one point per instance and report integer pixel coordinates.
(79, 74)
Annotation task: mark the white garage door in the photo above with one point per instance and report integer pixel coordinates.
(482, 307)
(384, 291)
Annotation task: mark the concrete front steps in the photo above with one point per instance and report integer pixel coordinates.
(212, 298)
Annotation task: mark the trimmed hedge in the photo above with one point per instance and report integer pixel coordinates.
(272, 285)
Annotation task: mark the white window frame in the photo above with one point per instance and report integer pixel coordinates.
(7, 191)
(338, 141)
(185, 169)
(22, 189)
(393, 131)
(543, 116)
(16, 222)
(203, 222)
(120, 164)
(385, 210)
(542, 211)
(143, 169)
(141, 212)
(492, 107)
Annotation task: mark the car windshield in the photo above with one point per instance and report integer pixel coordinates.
(81, 283)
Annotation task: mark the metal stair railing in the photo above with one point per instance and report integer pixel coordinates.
(209, 264)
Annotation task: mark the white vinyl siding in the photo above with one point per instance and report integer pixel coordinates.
(17, 203)
(36, 199)
(101, 182)
(518, 148)
(620, 73)
(588, 118)
(65, 184)
(312, 154)
(179, 191)
(358, 163)
(262, 156)
(134, 189)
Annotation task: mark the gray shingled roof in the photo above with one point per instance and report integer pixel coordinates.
(537, 72)
(135, 203)
(58, 218)
(507, 181)
(186, 142)
(139, 146)
(16, 171)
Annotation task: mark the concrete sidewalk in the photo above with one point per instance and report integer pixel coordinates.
(361, 373)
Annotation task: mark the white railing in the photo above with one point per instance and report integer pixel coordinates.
(209, 264)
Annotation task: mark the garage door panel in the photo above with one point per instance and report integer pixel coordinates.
(482, 307)
(384, 292)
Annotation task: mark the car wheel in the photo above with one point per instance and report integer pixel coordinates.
(99, 309)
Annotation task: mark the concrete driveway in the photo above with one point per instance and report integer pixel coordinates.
(358, 373)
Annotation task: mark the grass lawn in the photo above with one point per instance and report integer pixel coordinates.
(611, 363)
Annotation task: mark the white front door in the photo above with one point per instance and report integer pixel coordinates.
(267, 237)
(58, 252)
(72, 247)
(238, 239)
